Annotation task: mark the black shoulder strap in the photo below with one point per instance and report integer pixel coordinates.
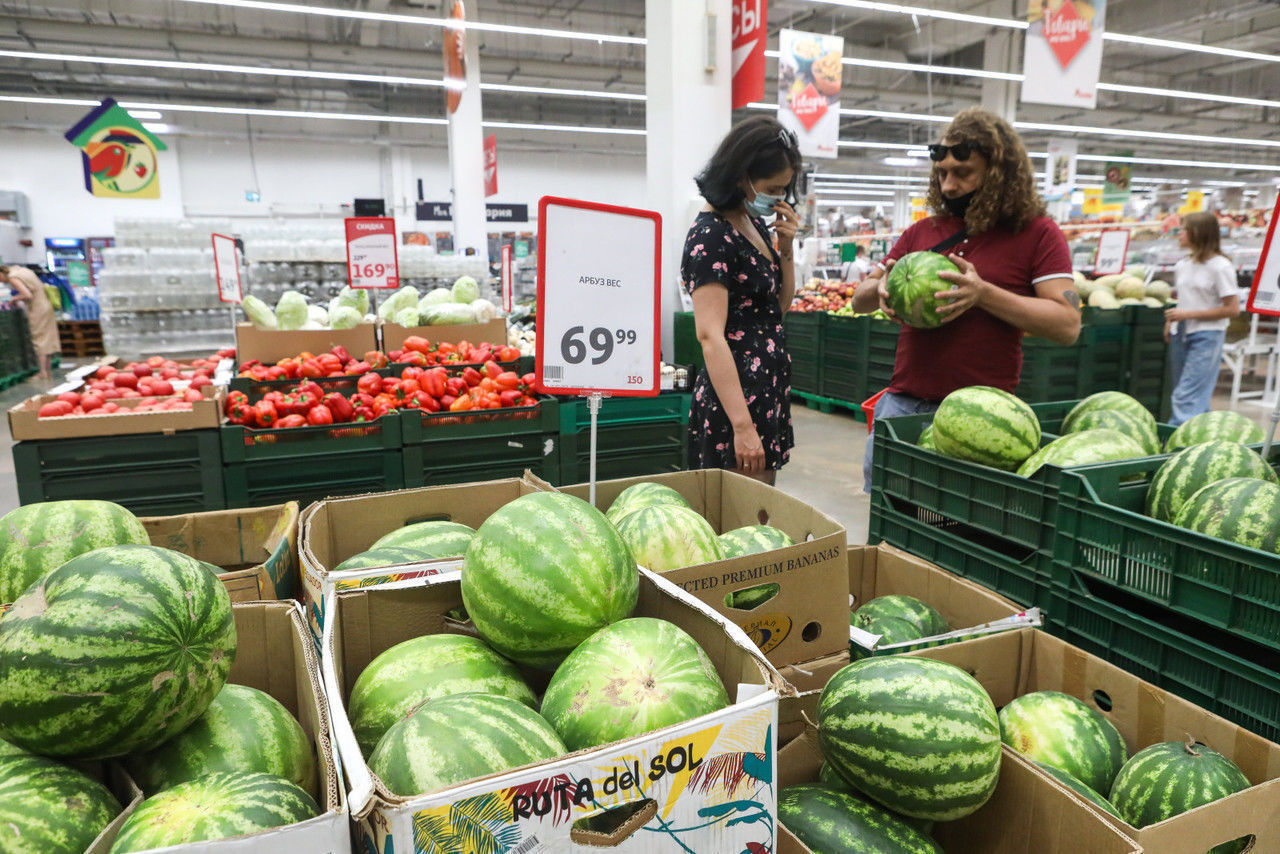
(954, 240)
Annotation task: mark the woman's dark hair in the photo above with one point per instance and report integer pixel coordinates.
(753, 149)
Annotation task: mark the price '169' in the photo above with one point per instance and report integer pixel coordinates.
(574, 349)
(368, 271)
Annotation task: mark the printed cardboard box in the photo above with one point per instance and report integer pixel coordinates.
(271, 345)
(707, 784)
(24, 424)
(1016, 663)
(257, 548)
(1026, 815)
(393, 335)
(125, 792)
(807, 618)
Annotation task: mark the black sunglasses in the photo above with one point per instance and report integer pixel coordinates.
(960, 151)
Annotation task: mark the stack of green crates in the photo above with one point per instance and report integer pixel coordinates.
(1148, 370)
(485, 444)
(805, 343)
(17, 358)
(843, 374)
(634, 436)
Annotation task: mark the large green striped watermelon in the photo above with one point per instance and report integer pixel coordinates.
(113, 652)
(986, 425)
(912, 285)
(1060, 730)
(1172, 777)
(430, 539)
(1081, 449)
(1115, 400)
(7, 749)
(1207, 426)
(828, 777)
(1074, 784)
(38, 538)
(383, 556)
(918, 736)
(48, 808)
(630, 678)
(645, 494)
(216, 806)
(1187, 471)
(543, 574)
(663, 537)
(924, 617)
(485, 734)
(243, 729)
(1139, 429)
(827, 820)
(926, 438)
(753, 539)
(1244, 510)
(421, 669)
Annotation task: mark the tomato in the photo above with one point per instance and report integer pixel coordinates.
(200, 381)
(55, 409)
(91, 402)
(162, 388)
(192, 395)
(103, 372)
(125, 380)
(71, 397)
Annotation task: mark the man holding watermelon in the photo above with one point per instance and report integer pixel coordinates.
(1006, 272)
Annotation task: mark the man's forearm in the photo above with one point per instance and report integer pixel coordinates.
(1044, 318)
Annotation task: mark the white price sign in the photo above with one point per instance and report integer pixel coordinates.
(226, 266)
(1113, 252)
(1264, 296)
(371, 252)
(599, 273)
(508, 299)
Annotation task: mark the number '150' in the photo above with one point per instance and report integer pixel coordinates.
(574, 350)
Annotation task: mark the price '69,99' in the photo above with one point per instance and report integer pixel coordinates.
(602, 340)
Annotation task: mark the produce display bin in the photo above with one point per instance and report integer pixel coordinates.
(487, 444)
(1095, 362)
(346, 383)
(687, 349)
(845, 358)
(634, 436)
(1148, 369)
(154, 474)
(804, 342)
(575, 417)
(882, 350)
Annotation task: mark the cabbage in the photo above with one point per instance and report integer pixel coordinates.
(344, 317)
(465, 290)
(259, 313)
(406, 297)
(356, 298)
(484, 310)
(291, 310)
(312, 325)
(447, 314)
(435, 296)
(369, 318)
(317, 314)
(406, 317)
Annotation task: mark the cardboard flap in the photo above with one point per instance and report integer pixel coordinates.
(359, 780)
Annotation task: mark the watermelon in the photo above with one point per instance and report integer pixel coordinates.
(926, 438)
(7, 749)
(1116, 400)
(39, 538)
(1141, 430)
(913, 283)
(630, 678)
(828, 777)
(1060, 730)
(48, 808)
(383, 556)
(1180, 476)
(663, 537)
(421, 669)
(645, 494)
(430, 539)
(1172, 777)
(826, 820)
(750, 598)
(1073, 783)
(486, 734)
(920, 614)
(890, 629)
(1083, 448)
(215, 806)
(917, 736)
(113, 652)
(1244, 510)
(243, 729)
(544, 573)
(1229, 426)
(986, 425)
(753, 539)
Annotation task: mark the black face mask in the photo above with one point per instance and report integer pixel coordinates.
(958, 205)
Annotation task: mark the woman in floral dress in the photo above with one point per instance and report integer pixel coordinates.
(741, 284)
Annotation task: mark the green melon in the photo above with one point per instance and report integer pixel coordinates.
(382, 556)
(924, 617)
(827, 820)
(1060, 730)
(1243, 510)
(1081, 449)
(1207, 426)
(1137, 428)
(1073, 783)
(913, 283)
(890, 629)
(663, 537)
(433, 539)
(986, 425)
(753, 539)
(926, 438)
(1116, 400)
(1193, 468)
(48, 808)
(645, 494)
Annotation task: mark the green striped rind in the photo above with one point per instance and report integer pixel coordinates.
(645, 494)
(1115, 400)
(1244, 510)
(1073, 783)
(1060, 730)
(828, 821)
(926, 438)
(543, 574)
(7, 749)
(243, 730)
(915, 611)
(630, 678)
(430, 539)
(48, 808)
(113, 652)
(912, 284)
(1082, 448)
(383, 556)
(918, 736)
(1139, 429)
(1229, 426)
(986, 425)
(38, 538)
(461, 737)
(421, 669)
(1169, 778)
(891, 630)
(1193, 468)
(828, 777)
(664, 537)
(217, 806)
(753, 539)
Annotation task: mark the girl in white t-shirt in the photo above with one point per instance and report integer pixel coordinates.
(1208, 296)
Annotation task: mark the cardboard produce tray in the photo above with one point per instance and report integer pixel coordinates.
(25, 425)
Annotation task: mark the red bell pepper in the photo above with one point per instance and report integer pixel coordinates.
(491, 369)
(329, 363)
(341, 353)
(311, 369)
(294, 420)
(319, 415)
(370, 383)
(364, 413)
(510, 397)
(455, 386)
(417, 344)
(264, 414)
(429, 403)
(390, 384)
(446, 402)
(472, 376)
(508, 354)
(507, 380)
(340, 407)
(432, 382)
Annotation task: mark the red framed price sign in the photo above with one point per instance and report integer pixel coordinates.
(1113, 252)
(226, 267)
(599, 275)
(1264, 295)
(371, 252)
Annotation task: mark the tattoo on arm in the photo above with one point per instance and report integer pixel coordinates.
(1073, 298)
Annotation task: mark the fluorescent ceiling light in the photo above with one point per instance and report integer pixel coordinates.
(147, 115)
(533, 126)
(824, 191)
(157, 127)
(851, 203)
(905, 162)
(869, 189)
(845, 176)
(1200, 164)
(1195, 96)
(1146, 134)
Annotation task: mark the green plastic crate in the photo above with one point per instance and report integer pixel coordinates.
(575, 417)
(1148, 370)
(685, 334)
(485, 444)
(805, 340)
(152, 475)
(843, 370)
(622, 464)
(624, 451)
(1095, 362)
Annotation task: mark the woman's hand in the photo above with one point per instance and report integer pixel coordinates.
(748, 449)
(967, 288)
(1173, 315)
(785, 226)
(1168, 324)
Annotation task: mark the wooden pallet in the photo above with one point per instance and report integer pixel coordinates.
(80, 338)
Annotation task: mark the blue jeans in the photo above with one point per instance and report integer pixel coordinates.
(1196, 359)
(888, 406)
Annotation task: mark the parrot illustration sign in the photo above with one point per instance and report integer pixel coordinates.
(119, 154)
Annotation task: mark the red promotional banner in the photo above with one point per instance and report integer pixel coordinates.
(490, 165)
(749, 34)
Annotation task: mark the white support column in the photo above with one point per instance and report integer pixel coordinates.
(466, 154)
(1001, 53)
(901, 209)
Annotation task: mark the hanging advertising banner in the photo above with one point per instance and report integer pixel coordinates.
(1194, 203)
(1063, 52)
(810, 71)
(749, 34)
(491, 165)
(1060, 169)
(455, 57)
(118, 154)
(1118, 180)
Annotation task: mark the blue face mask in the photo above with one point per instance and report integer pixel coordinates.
(762, 204)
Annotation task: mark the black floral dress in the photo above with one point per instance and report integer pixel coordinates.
(716, 253)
